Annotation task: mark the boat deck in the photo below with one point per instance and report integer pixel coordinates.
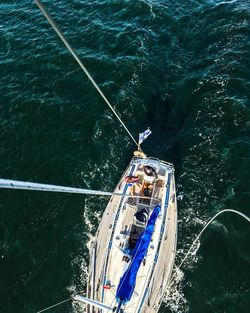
(109, 260)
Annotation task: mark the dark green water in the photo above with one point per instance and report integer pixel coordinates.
(181, 67)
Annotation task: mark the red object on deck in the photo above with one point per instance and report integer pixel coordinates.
(132, 179)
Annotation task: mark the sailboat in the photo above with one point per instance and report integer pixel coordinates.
(133, 254)
(134, 250)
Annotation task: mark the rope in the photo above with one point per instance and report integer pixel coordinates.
(196, 239)
(66, 300)
(54, 305)
(59, 33)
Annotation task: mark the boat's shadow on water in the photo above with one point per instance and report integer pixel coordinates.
(165, 125)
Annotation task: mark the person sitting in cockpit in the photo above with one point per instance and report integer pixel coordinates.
(147, 189)
(149, 173)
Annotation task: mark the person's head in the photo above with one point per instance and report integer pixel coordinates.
(147, 191)
(149, 170)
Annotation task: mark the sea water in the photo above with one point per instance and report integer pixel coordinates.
(180, 67)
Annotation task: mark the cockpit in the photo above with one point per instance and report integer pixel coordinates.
(139, 223)
(145, 188)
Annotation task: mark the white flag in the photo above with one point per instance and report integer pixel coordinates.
(144, 135)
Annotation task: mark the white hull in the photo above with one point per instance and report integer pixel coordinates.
(107, 263)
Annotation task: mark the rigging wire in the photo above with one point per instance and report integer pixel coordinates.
(184, 259)
(61, 302)
(197, 238)
(54, 305)
(60, 34)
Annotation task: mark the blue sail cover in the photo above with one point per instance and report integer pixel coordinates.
(127, 282)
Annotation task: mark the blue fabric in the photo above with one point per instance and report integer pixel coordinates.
(127, 282)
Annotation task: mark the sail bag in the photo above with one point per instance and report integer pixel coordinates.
(128, 280)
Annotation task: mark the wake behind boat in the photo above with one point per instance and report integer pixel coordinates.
(134, 251)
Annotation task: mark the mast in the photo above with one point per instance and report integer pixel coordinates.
(22, 185)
